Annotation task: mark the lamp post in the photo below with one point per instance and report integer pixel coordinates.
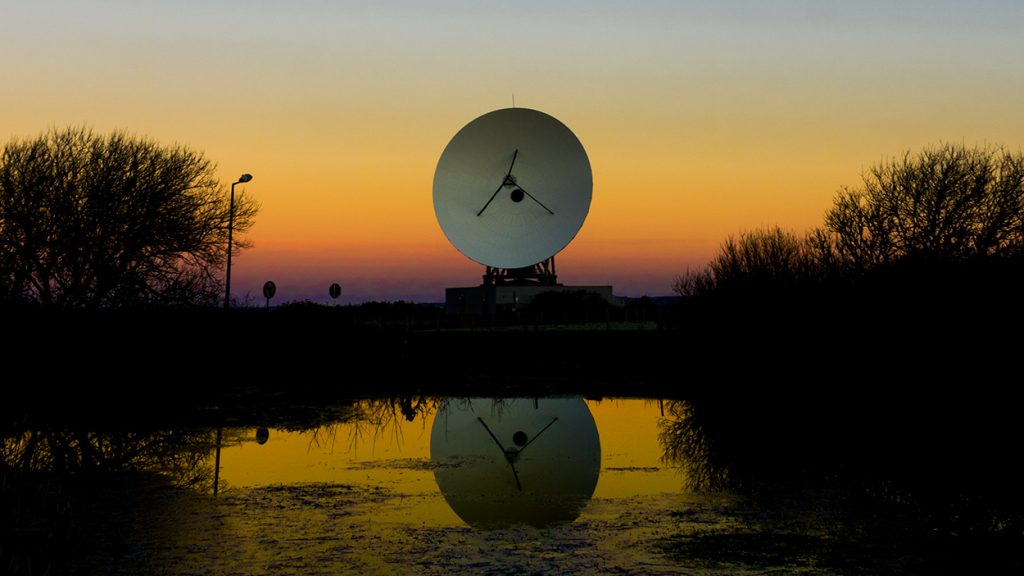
(231, 223)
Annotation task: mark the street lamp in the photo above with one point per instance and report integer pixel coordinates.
(231, 223)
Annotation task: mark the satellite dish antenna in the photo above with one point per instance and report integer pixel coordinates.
(503, 462)
(512, 189)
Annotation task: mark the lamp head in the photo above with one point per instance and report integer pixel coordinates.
(244, 178)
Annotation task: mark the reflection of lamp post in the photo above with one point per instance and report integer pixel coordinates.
(231, 223)
(216, 465)
(262, 435)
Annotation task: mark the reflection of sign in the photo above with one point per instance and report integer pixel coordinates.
(335, 290)
(269, 289)
(502, 462)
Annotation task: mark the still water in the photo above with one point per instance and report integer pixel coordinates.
(430, 491)
(465, 486)
(438, 494)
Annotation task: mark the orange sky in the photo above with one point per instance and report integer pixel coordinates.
(700, 119)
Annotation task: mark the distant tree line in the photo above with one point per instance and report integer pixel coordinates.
(941, 227)
(91, 221)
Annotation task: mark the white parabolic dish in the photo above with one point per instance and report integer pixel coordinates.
(512, 188)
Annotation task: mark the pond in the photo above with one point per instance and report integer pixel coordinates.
(451, 485)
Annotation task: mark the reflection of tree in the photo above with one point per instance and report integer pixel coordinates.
(183, 456)
(377, 419)
(57, 487)
(931, 464)
(685, 443)
(186, 456)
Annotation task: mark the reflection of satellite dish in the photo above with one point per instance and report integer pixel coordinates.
(502, 462)
(512, 188)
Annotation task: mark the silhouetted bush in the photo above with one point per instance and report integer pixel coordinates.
(768, 260)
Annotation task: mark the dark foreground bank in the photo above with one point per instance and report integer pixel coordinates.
(171, 359)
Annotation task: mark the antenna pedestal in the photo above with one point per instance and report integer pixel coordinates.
(540, 274)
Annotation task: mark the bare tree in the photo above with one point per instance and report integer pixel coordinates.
(946, 203)
(100, 221)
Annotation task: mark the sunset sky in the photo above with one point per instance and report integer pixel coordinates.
(701, 119)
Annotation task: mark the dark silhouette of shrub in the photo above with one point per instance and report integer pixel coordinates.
(106, 221)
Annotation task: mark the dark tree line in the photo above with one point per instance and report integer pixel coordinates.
(109, 221)
(946, 218)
